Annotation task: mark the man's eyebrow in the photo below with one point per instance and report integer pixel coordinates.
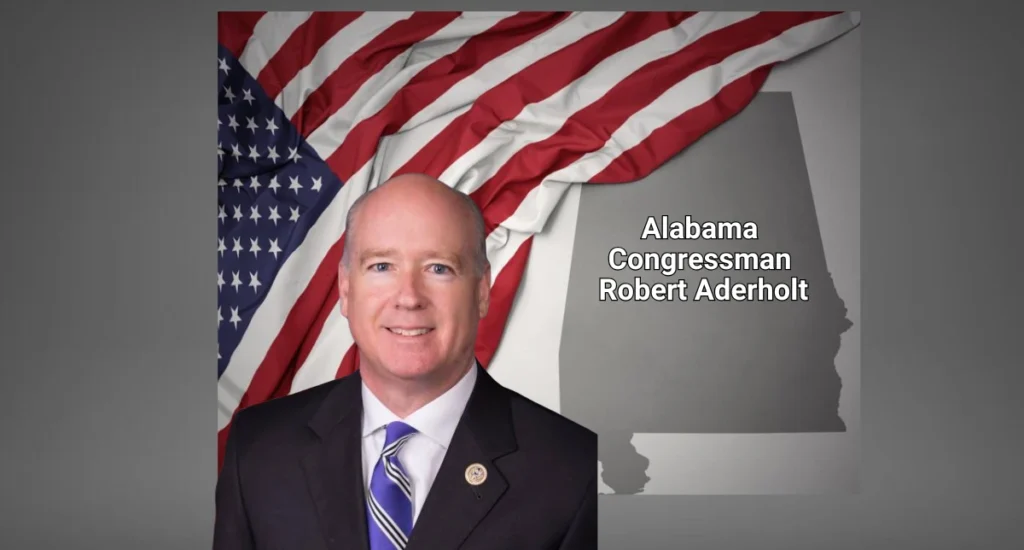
(451, 258)
(376, 253)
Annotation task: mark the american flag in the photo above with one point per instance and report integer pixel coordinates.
(316, 108)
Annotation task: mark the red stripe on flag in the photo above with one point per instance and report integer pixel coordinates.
(349, 363)
(284, 387)
(684, 130)
(234, 29)
(222, 439)
(300, 49)
(433, 81)
(343, 83)
(314, 331)
(589, 128)
(503, 294)
(535, 83)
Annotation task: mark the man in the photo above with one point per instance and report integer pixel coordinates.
(421, 448)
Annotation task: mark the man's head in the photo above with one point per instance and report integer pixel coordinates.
(414, 280)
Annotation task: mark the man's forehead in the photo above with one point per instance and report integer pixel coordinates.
(411, 225)
(376, 223)
(403, 216)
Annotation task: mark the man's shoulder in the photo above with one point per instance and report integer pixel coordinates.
(286, 415)
(537, 426)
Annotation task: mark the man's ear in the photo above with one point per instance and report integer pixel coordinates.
(343, 282)
(484, 292)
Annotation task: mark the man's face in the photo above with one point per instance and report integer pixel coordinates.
(411, 293)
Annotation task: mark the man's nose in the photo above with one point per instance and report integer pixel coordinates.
(410, 291)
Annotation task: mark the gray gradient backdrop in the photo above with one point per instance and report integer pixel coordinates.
(108, 340)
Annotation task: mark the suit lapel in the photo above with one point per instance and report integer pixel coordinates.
(454, 507)
(334, 469)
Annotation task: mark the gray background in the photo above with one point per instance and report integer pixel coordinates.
(109, 343)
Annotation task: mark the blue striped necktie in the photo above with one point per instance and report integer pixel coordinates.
(389, 503)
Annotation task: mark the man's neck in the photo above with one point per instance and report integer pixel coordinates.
(404, 397)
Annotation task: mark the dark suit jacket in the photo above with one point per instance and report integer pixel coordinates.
(292, 477)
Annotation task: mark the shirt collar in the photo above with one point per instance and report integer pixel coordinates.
(436, 420)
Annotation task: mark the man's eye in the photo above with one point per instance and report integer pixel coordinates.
(380, 267)
(440, 269)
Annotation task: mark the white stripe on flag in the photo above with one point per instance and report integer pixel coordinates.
(269, 34)
(527, 360)
(321, 365)
(382, 87)
(332, 54)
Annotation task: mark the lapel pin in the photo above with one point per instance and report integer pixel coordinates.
(476, 474)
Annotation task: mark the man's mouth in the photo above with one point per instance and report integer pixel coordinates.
(409, 331)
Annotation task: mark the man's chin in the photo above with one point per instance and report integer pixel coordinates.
(411, 369)
(405, 365)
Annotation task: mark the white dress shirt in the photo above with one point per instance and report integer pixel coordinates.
(421, 456)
